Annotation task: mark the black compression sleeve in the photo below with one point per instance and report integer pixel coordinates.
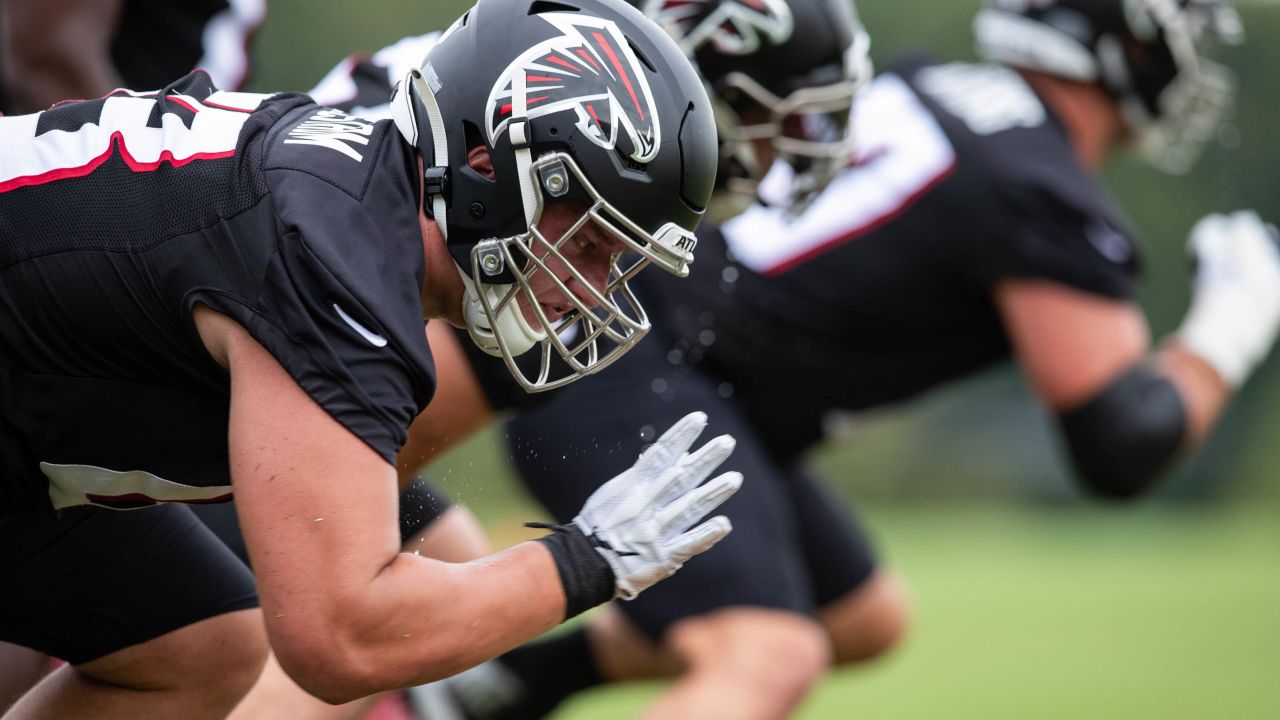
(586, 576)
(1124, 437)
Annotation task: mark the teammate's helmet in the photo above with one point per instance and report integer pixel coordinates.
(1149, 54)
(580, 101)
(780, 70)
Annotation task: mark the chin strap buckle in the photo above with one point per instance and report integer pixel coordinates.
(435, 181)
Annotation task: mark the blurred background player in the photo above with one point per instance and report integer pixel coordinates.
(54, 50)
(970, 230)
(783, 75)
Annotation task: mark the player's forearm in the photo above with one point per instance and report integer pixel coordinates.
(1204, 393)
(418, 620)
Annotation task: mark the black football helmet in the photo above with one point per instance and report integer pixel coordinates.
(1149, 54)
(779, 70)
(580, 101)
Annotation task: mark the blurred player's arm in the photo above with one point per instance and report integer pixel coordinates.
(59, 50)
(1125, 413)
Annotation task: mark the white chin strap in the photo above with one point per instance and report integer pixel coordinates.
(517, 333)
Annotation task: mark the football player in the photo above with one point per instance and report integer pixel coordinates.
(970, 230)
(203, 286)
(815, 55)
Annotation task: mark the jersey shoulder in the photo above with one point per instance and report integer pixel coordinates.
(1041, 208)
(1002, 130)
(340, 304)
(327, 144)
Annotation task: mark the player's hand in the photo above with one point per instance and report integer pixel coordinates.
(1235, 308)
(639, 521)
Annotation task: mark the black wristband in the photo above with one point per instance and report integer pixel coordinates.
(586, 576)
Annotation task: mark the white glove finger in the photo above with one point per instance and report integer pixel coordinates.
(693, 468)
(687, 510)
(699, 539)
(669, 448)
(1207, 235)
(1254, 239)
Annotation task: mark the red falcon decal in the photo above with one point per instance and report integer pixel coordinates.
(733, 27)
(588, 70)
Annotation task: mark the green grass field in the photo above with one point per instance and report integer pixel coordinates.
(1024, 610)
(1065, 614)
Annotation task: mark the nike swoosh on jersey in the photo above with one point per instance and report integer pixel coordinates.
(374, 338)
(1108, 242)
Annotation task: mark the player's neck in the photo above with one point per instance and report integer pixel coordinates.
(1091, 117)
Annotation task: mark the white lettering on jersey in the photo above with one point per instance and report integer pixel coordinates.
(71, 485)
(332, 129)
(988, 98)
(28, 159)
(902, 154)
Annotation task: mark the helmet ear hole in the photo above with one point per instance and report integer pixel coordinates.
(479, 158)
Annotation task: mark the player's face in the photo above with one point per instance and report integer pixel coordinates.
(763, 147)
(590, 250)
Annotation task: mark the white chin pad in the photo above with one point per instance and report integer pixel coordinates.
(518, 335)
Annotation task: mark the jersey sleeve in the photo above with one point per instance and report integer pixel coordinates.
(340, 304)
(1034, 211)
(1036, 230)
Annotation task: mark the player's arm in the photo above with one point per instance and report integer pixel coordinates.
(348, 615)
(1125, 413)
(60, 50)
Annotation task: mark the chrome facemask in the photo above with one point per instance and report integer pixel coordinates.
(1201, 97)
(809, 129)
(600, 325)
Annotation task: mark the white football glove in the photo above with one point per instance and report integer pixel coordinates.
(1235, 308)
(639, 521)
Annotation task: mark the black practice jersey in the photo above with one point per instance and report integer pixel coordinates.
(118, 215)
(882, 287)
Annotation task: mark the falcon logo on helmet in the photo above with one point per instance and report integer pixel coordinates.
(733, 27)
(591, 71)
